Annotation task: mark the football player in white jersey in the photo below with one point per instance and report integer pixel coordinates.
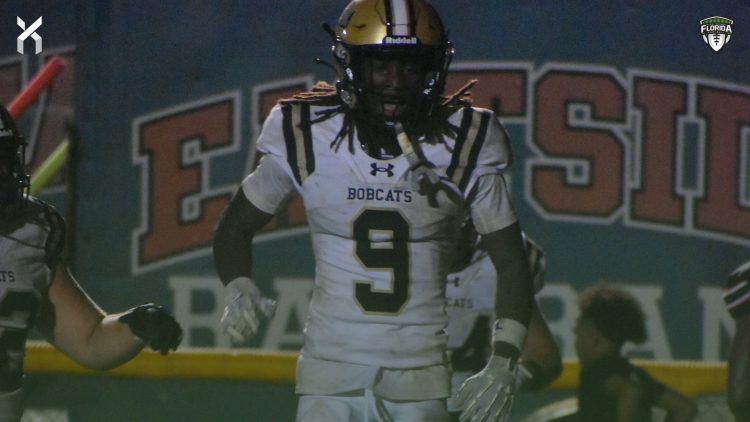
(737, 298)
(37, 290)
(471, 308)
(388, 169)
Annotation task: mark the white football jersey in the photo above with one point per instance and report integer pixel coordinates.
(381, 249)
(29, 247)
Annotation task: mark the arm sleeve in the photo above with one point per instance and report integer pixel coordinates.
(491, 207)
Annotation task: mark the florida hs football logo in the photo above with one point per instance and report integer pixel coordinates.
(716, 31)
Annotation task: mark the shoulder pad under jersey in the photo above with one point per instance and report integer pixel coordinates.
(481, 147)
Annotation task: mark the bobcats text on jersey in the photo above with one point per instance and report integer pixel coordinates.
(379, 194)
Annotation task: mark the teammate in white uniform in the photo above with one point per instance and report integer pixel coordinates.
(388, 169)
(471, 309)
(737, 298)
(36, 290)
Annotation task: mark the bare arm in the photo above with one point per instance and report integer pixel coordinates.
(75, 325)
(679, 408)
(629, 397)
(738, 381)
(540, 354)
(233, 238)
(514, 287)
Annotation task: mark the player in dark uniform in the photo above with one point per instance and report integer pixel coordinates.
(611, 388)
(737, 298)
(36, 289)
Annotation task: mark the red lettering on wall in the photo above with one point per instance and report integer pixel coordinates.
(726, 112)
(171, 179)
(601, 194)
(656, 200)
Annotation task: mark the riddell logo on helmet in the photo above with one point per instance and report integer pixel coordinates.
(400, 40)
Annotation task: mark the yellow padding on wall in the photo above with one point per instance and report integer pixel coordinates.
(195, 363)
(692, 378)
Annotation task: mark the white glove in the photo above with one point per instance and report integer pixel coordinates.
(245, 306)
(488, 395)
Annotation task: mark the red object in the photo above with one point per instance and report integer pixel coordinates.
(33, 89)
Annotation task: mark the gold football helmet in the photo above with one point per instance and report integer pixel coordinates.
(406, 30)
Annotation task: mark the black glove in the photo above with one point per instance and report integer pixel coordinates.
(154, 325)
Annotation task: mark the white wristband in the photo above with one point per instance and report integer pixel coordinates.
(509, 331)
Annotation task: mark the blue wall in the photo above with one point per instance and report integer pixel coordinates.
(147, 197)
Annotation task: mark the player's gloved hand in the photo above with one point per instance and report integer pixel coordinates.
(154, 325)
(488, 395)
(245, 306)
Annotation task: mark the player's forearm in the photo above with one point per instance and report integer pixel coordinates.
(629, 405)
(107, 345)
(232, 253)
(515, 301)
(540, 355)
(233, 238)
(514, 296)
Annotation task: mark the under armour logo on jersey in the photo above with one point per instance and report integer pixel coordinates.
(387, 169)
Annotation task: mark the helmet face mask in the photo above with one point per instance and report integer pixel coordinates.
(14, 181)
(400, 40)
(392, 84)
